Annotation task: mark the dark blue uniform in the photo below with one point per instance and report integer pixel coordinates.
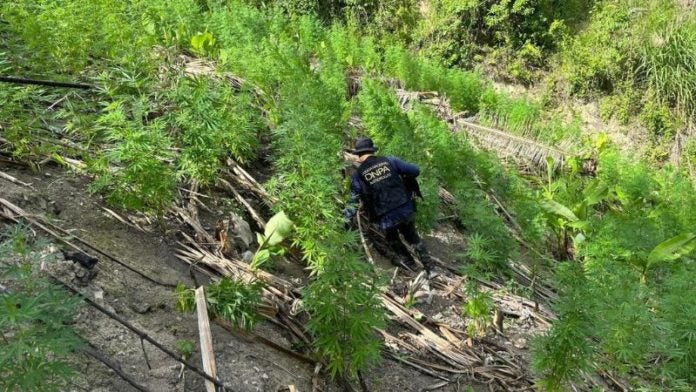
(378, 182)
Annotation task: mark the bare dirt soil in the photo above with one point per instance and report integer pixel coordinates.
(242, 363)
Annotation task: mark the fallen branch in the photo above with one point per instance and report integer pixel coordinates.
(47, 83)
(416, 366)
(255, 215)
(16, 181)
(363, 241)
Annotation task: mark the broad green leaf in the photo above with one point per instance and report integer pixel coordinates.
(559, 209)
(277, 228)
(579, 239)
(261, 239)
(260, 257)
(579, 225)
(601, 141)
(672, 248)
(550, 164)
(595, 193)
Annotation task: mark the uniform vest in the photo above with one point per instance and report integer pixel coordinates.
(385, 188)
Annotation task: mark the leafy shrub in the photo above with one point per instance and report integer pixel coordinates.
(212, 122)
(659, 120)
(479, 308)
(623, 105)
(667, 61)
(231, 299)
(236, 301)
(515, 114)
(516, 31)
(35, 317)
(137, 172)
(527, 117)
(344, 313)
(66, 35)
(596, 59)
(564, 351)
(617, 303)
(461, 87)
(390, 18)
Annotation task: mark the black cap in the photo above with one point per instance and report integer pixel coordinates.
(364, 145)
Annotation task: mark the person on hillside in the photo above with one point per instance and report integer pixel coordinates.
(387, 188)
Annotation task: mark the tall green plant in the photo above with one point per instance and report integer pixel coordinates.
(308, 110)
(36, 339)
(345, 312)
(617, 309)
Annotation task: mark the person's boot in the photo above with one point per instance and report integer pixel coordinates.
(425, 259)
(404, 262)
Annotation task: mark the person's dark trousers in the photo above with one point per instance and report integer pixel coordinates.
(408, 230)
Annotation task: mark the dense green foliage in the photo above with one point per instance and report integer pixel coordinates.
(36, 339)
(623, 236)
(632, 240)
(230, 299)
(308, 110)
(528, 118)
(444, 159)
(637, 59)
(518, 34)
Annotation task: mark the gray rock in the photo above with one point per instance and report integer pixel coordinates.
(247, 256)
(141, 307)
(521, 343)
(241, 231)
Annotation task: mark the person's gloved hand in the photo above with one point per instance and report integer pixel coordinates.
(350, 223)
(349, 218)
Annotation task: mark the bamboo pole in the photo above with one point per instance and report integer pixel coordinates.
(206, 338)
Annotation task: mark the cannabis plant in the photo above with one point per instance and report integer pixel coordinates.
(36, 339)
(345, 309)
(231, 299)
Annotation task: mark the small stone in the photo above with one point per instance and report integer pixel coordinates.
(521, 343)
(257, 369)
(247, 256)
(99, 297)
(264, 376)
(141, 307)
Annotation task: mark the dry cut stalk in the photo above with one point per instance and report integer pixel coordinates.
(504, 143)
(257, 217)
(206, 338)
